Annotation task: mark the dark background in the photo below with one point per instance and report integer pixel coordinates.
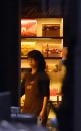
(9, 48)
(10, 15)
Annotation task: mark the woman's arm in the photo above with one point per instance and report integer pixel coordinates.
(44, 108)
(44, 85)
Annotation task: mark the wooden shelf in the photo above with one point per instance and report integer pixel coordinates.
(26, 37)
(44, 57)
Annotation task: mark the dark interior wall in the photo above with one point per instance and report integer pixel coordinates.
(41, 8)
(77, 67)
(70, 22)
(66, 115)
(9, 48)
(55, 8)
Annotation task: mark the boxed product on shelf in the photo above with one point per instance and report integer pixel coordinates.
(28, 27)
(51, 30)
(52, 50)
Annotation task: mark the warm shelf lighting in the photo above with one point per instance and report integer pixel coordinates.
(26, 21)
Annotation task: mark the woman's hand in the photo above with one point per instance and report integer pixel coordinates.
(42, 115)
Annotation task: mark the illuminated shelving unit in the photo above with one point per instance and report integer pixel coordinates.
(35, 36)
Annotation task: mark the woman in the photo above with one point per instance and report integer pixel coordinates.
(36, 84)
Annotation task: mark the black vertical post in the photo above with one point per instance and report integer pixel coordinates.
(9, 48)
(77, 74)
(66, 111)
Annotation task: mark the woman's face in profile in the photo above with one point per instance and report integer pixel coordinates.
(32, 62)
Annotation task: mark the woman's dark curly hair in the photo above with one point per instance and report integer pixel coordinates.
(37, 55)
